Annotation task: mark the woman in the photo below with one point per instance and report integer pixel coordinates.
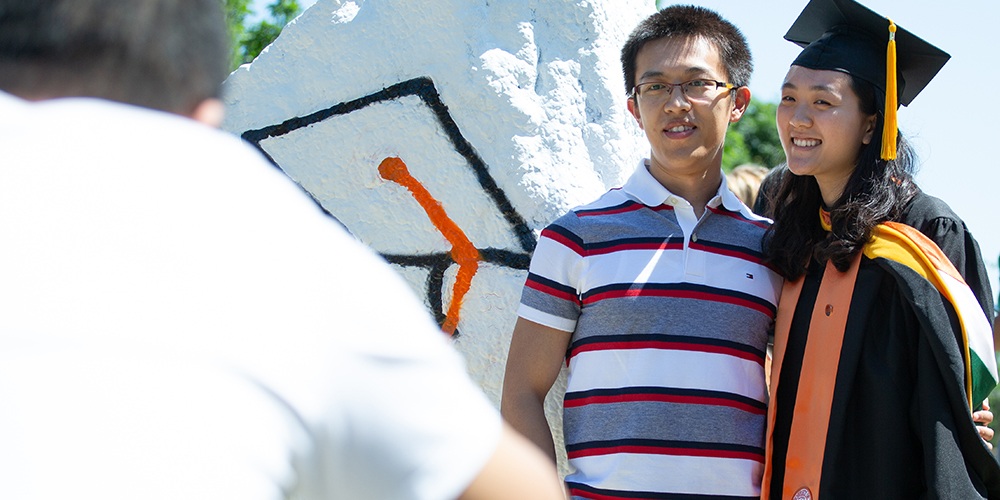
(872, 379)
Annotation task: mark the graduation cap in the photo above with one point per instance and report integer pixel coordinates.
(843, 35)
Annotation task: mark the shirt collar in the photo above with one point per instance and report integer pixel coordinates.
(645, 188)
(726, 198)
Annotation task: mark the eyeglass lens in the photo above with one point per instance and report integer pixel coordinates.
(695, 89)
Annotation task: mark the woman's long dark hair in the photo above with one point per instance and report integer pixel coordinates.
(877, 192)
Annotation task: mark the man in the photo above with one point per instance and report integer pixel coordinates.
(654, 294)
(180, 321)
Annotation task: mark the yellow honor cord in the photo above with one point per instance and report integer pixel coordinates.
(891, 103)
(824, 220)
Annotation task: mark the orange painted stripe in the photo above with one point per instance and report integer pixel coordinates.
(462, 251)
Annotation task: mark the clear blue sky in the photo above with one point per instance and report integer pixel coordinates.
(950, 122)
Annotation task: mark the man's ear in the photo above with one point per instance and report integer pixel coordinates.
(210, 112)
(633, 107)
(740, 104)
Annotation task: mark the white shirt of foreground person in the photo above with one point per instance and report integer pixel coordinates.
(254, 349)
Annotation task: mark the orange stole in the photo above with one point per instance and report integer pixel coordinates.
(814, 397)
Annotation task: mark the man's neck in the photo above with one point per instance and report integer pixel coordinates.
(697, 186)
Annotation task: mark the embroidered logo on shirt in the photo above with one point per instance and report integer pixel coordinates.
(749, 276)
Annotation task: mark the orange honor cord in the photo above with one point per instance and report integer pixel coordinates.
(462, 250)
(814, 396)
(782, 324)
(891, 103)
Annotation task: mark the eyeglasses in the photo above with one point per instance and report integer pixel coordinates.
(701, 88)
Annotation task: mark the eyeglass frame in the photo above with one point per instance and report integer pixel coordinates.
(718, 84)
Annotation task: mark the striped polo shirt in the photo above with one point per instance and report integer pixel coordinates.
(669, 316)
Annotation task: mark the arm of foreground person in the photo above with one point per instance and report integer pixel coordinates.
(536, 354)
(517, 470)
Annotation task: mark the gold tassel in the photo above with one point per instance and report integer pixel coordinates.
(891, 103)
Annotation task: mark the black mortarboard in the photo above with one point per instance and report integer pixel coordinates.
(843, 35)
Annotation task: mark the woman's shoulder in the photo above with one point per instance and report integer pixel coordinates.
(924, 210)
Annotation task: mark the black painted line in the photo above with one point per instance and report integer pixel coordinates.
(436, 264)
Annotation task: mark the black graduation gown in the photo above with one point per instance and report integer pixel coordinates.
(936, 220)
(900, 424)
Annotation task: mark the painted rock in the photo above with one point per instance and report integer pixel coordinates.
(446, 135)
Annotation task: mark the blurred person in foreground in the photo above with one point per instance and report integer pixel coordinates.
(882, 350)
(179, 319)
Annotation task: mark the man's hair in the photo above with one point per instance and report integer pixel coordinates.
(162, 54)
(689, 21)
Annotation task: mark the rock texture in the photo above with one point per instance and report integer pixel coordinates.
(488, 119)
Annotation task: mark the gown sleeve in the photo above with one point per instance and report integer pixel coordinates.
(936, 220)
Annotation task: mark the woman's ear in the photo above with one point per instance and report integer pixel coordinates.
(869, 129)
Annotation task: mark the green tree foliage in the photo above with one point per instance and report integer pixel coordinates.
(236, 14)
(754, 139)
(249, 41)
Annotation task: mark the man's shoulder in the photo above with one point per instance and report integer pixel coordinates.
(176, 216)
(609, 205)
(11, 104)
(740, 224)
(102, 121)
(609, 215)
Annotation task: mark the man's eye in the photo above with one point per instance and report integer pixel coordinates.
(653, 87)
(695, 84)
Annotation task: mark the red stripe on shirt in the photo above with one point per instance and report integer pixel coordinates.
(668, 346)
(726, 252)
(739, 216)
(680, 294)
(659, 450)
(534, 285)
(635, 246)
(613, 211)
(562, 240)
(663, 398)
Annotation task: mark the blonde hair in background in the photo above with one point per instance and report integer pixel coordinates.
(744, 181)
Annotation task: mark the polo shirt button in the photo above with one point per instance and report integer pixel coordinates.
(694, 238)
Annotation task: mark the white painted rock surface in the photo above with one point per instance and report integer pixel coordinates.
(505, 114)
